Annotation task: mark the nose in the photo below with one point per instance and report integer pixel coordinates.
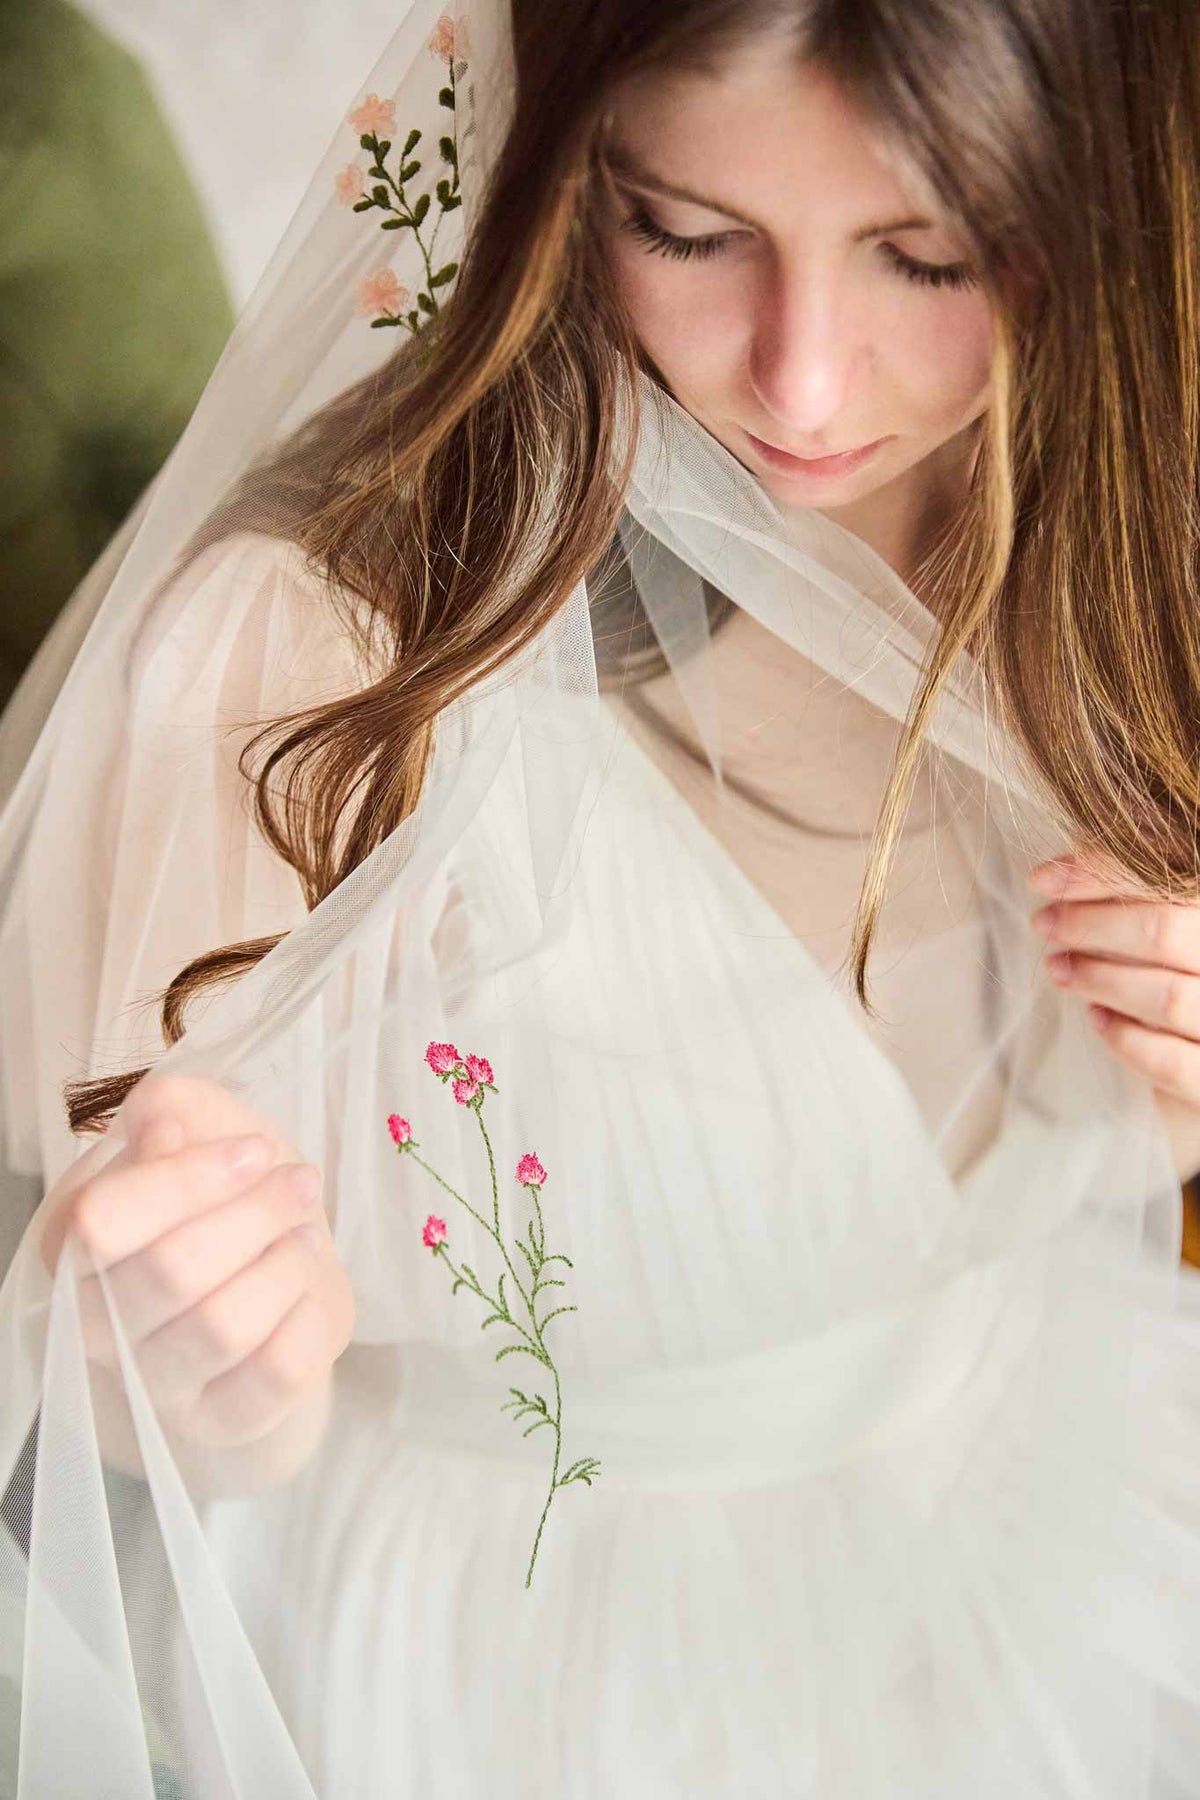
(804, 355)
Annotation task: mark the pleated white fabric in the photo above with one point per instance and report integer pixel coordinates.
(897, 1428)
(879, 1338)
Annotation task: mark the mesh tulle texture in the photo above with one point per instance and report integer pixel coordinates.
(879, 1338)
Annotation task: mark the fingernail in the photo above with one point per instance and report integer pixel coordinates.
(1044, 919)
(247, 1153)
(1059, 966)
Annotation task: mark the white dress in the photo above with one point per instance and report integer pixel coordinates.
(881, 1511)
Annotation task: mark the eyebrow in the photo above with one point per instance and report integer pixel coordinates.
(626, 168)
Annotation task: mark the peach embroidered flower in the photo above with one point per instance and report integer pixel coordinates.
(465, 1092)
(449, 40)
(530, 1172)
(435, 1232)
(381, 293)
(373, 116)
(442, 1058)
(400, 1129)
(479, 1069)
(350, 184)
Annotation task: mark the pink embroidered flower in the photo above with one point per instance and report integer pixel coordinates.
(400, 1129)
(449, 39)
(465, 1092)
(435, 1232)
(530, 1172)
(381, 293)
(373, 116)
(442, 1058)
(478, 1068)
(351, 184)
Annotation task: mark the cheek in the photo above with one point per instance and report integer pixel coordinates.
(938, 354)
(689, 319)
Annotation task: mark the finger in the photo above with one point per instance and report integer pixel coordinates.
(178, 1362)
(206, 1110)
(161, 1135)
(121, 1210)
(1170, 1063)
(1147, 931)
(1161, 998)
(1084, 877)
(255, 1397)
(184, 1266)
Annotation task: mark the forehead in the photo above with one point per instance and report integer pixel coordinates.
(768, 132)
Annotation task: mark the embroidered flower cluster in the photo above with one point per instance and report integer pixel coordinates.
(516, 1299)
(382, 297)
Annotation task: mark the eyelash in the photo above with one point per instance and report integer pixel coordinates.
(934, 275)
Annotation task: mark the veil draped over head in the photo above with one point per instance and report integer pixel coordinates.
(870, 1408)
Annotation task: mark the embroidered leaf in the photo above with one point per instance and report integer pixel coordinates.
(448, 152)
(555, 1314)
(392, 224)
(559, 1257)
(363, 205)
(443, 275)
(420, 209)
(383, 147)
(537, 1426)
(583, 1470)
(408, 170)
(450, 204)
(523, 1350)
(410, 142)
(425, 303)
(368, 141)
(379, 194)
(446, 97)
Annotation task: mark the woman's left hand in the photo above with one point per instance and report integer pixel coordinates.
(1136, 961)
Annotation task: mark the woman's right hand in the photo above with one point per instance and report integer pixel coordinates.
(219, 1260)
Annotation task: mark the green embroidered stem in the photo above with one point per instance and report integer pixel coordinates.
(411, 216)
(453, 1192)
(470, 1090)
(499, 1305)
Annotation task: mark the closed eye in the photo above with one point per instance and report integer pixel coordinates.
(684, 249)
(655, 237)
(936, 275)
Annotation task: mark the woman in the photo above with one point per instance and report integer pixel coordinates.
(857, 1456)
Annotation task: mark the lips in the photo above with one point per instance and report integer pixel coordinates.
(840, 463)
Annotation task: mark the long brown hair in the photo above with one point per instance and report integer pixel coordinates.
(1064, 138)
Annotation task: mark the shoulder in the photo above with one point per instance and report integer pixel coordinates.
(250, 614)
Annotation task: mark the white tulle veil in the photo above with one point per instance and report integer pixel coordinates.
(872, 1314)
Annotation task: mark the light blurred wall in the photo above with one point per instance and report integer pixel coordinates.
(255, 90)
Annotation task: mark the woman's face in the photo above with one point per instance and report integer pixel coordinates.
(812, 315)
